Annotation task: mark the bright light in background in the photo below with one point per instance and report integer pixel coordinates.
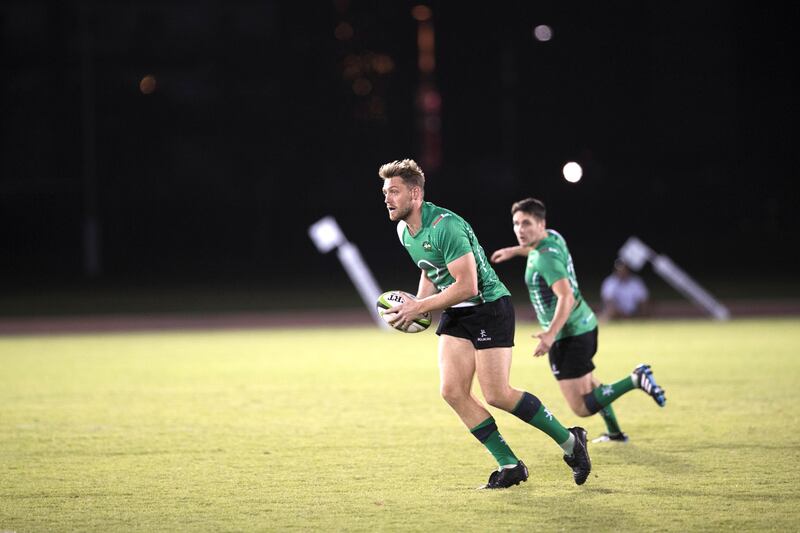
(543, 33)
(572, 172)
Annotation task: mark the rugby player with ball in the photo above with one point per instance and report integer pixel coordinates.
(476, 328)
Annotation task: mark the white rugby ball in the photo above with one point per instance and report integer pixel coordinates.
(389, 299)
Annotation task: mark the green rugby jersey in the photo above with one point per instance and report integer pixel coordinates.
(549, 262)
(443, 238)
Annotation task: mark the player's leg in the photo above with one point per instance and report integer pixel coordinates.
(572, 366)
(613, 431)
(641, 378)
(493, 366)
(575, 391)
(457, 371)
(492, 328)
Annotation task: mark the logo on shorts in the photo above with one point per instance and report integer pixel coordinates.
(556, 371)
(483, 337)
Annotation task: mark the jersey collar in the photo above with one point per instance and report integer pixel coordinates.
(544, 242)
(425, 219)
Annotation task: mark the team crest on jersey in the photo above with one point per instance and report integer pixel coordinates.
(427, 246)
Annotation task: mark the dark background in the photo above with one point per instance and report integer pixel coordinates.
(682, 113)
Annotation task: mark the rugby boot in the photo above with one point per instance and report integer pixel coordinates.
(507, 477)
(579, 460)
(648, 384)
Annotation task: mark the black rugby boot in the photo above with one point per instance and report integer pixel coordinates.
(579, 460)
(507, 477)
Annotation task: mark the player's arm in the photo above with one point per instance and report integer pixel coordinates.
(465, 272)
(426, 287)
(509, 252)
(566, 300)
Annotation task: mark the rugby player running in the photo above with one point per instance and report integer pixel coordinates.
(476, 328)
(569, 327)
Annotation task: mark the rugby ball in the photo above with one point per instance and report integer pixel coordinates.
(389, 299)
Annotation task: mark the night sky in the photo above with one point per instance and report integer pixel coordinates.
(266, 116)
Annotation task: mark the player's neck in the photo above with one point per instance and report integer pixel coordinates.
(414, 220)
(538, 239)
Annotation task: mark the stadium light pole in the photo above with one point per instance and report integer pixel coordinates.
(327, 235)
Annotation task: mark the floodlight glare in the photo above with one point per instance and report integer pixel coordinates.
(543, 33)
(572, 172)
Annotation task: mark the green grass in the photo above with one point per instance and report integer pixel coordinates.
(344, 430)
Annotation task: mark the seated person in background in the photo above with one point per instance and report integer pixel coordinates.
(624, 294)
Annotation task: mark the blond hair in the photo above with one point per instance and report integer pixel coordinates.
(407, 169)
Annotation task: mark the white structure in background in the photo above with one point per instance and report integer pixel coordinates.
(327, 235)
(635, 254)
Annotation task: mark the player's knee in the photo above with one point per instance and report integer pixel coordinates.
(453, 394)
(498, 398)
(577, 405)
(580, 410)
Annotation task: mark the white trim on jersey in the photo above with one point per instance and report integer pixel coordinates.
(401, 227)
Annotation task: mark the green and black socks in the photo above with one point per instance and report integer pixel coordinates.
(487, 433)
(529, 409)
(600, 399)
(610, 419)
(605, 394)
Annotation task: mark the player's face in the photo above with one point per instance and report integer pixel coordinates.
(398, 198)
(527, 228)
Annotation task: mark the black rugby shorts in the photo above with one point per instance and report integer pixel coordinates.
(487, 325)
(571, 357)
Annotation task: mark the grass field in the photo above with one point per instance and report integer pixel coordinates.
(344, 430)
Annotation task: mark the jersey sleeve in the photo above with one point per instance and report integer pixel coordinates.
(552, 265)
(452, 239)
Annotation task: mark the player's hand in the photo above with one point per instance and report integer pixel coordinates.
(546, 340)
(404, 313)
(503, 254)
